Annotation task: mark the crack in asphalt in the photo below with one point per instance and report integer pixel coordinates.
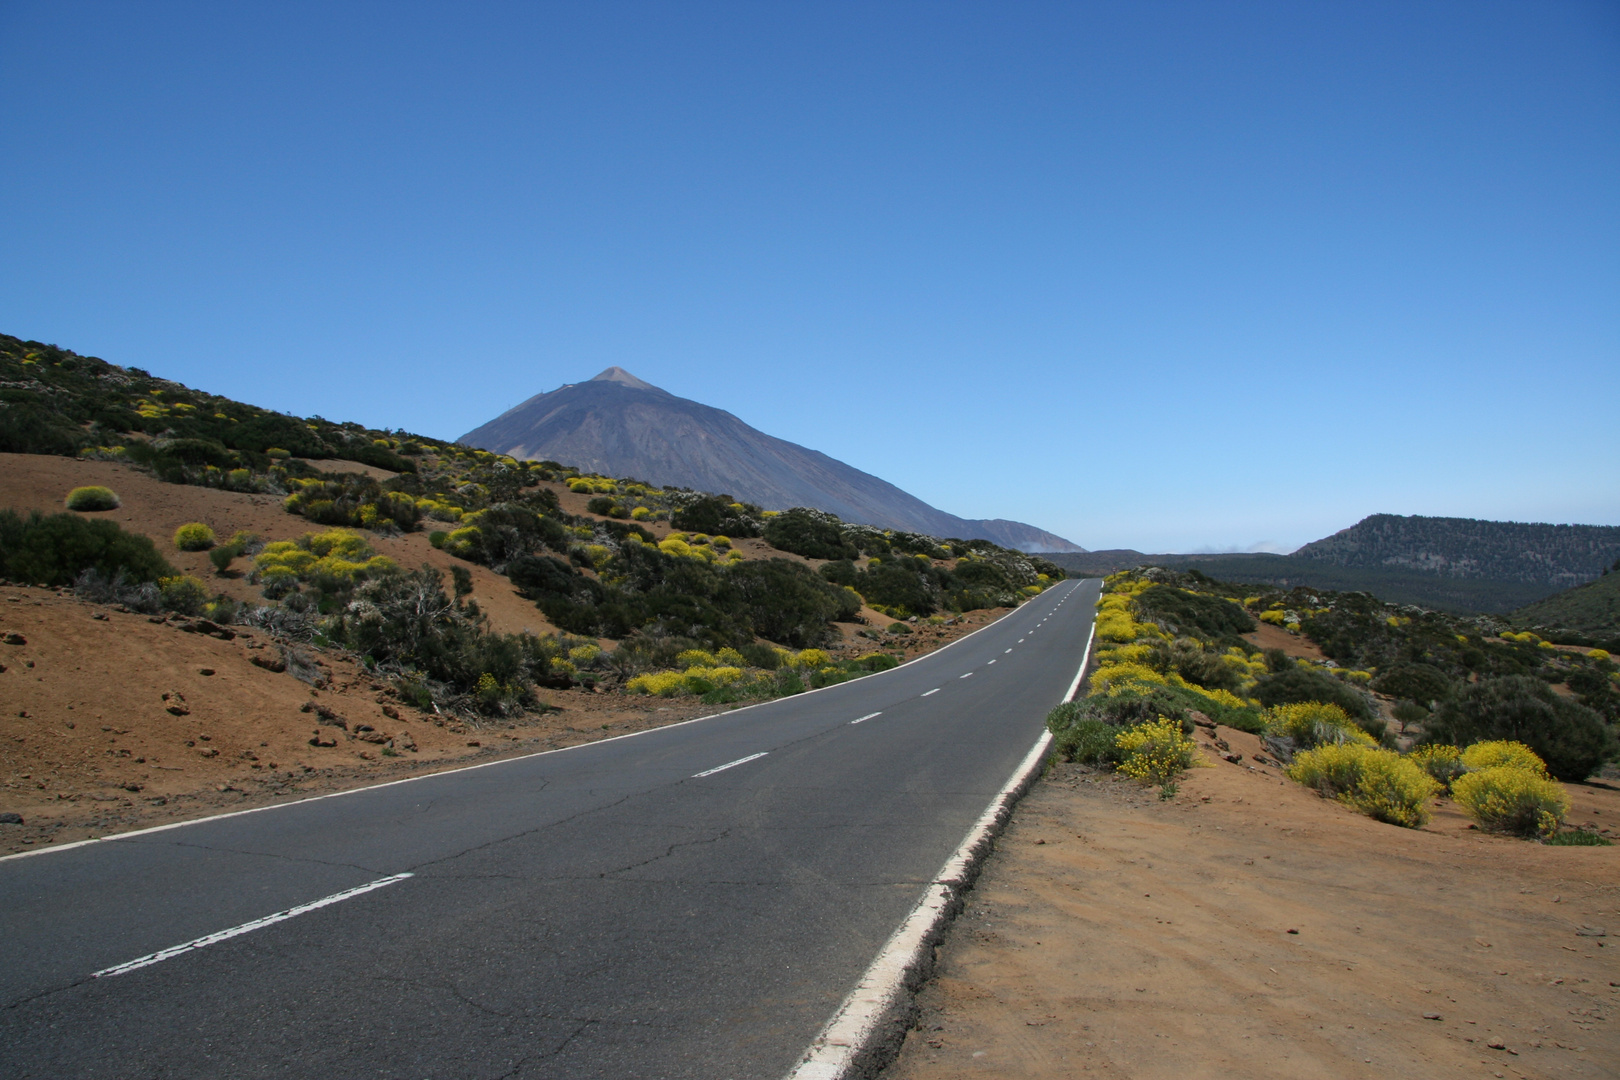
(672, 849)
(257, 854)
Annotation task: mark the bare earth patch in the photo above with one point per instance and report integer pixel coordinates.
(1247, 928)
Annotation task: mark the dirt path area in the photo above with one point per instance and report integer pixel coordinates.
(1247, 928)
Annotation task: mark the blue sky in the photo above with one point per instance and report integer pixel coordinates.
(1175, 276)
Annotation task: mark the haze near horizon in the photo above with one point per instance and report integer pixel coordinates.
(1164, 276)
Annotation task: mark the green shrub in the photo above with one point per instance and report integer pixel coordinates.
(1511, 800)
(194, 536)
(1421, 683)
(1194, 613)
(1569, 737)
(92, 498)
(714, 515)
(221, 557)
(1377, 782)
(1578, 838)
(438, 537)
(1314, 723)
(55, 550)
(811, 533)
(1442, 763)
(1075, 737)
(183, 593)
(1294, 684)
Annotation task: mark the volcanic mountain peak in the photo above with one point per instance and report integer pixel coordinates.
(619, 425)
(617, 374)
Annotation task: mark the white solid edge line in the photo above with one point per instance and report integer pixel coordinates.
(483, 764)
(247, 927)
(835, 1049)
(868, 716)
(729, 764)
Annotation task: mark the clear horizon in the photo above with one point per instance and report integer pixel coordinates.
(1168, 276)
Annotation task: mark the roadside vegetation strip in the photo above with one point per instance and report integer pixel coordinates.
(866, 1032)
(245, 928)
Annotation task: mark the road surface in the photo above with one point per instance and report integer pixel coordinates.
(693, 901)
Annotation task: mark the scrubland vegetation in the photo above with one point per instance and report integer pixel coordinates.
(689, 612)
(1408, 704)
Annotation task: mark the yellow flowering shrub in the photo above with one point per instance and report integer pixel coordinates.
(463, 542)
(1106, 679)
(641, 513)
(1502, 753)
(658, 683)
(584, 654)
(730, 657)
(812, 659)
(1155, 753)
(194, 536)
(1377, 782)
(695, 658)
(1507, 799)
(719, 676)
(91, 498)
(672, 545)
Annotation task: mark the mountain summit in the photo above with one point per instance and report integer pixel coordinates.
(618, 425)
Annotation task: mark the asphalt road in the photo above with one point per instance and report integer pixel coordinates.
(603, 911)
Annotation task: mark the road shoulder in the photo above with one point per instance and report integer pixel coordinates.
(1114, 934)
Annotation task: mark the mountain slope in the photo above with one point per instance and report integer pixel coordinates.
(1555, 555)
(618, 425)
(1593, 607)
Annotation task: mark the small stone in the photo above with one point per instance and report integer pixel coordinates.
(178, 710)
(390, 712)
(205, 671)
(1433, 1016)
(11, 819)
(1234, 757)
(1040, 842)
(1591, 931)
(474, 742)
(323, 739)
(1291, 930)
(15, 639)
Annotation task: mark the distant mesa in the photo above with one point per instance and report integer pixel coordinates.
(619, 425)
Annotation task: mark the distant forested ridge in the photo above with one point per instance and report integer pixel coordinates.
(1556, 555)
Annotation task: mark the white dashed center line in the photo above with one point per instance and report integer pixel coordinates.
(247, 927)
(968, 675)
(935, 690)
(865, 718)
(729, 764)
(991, 662)
(1004, 654)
